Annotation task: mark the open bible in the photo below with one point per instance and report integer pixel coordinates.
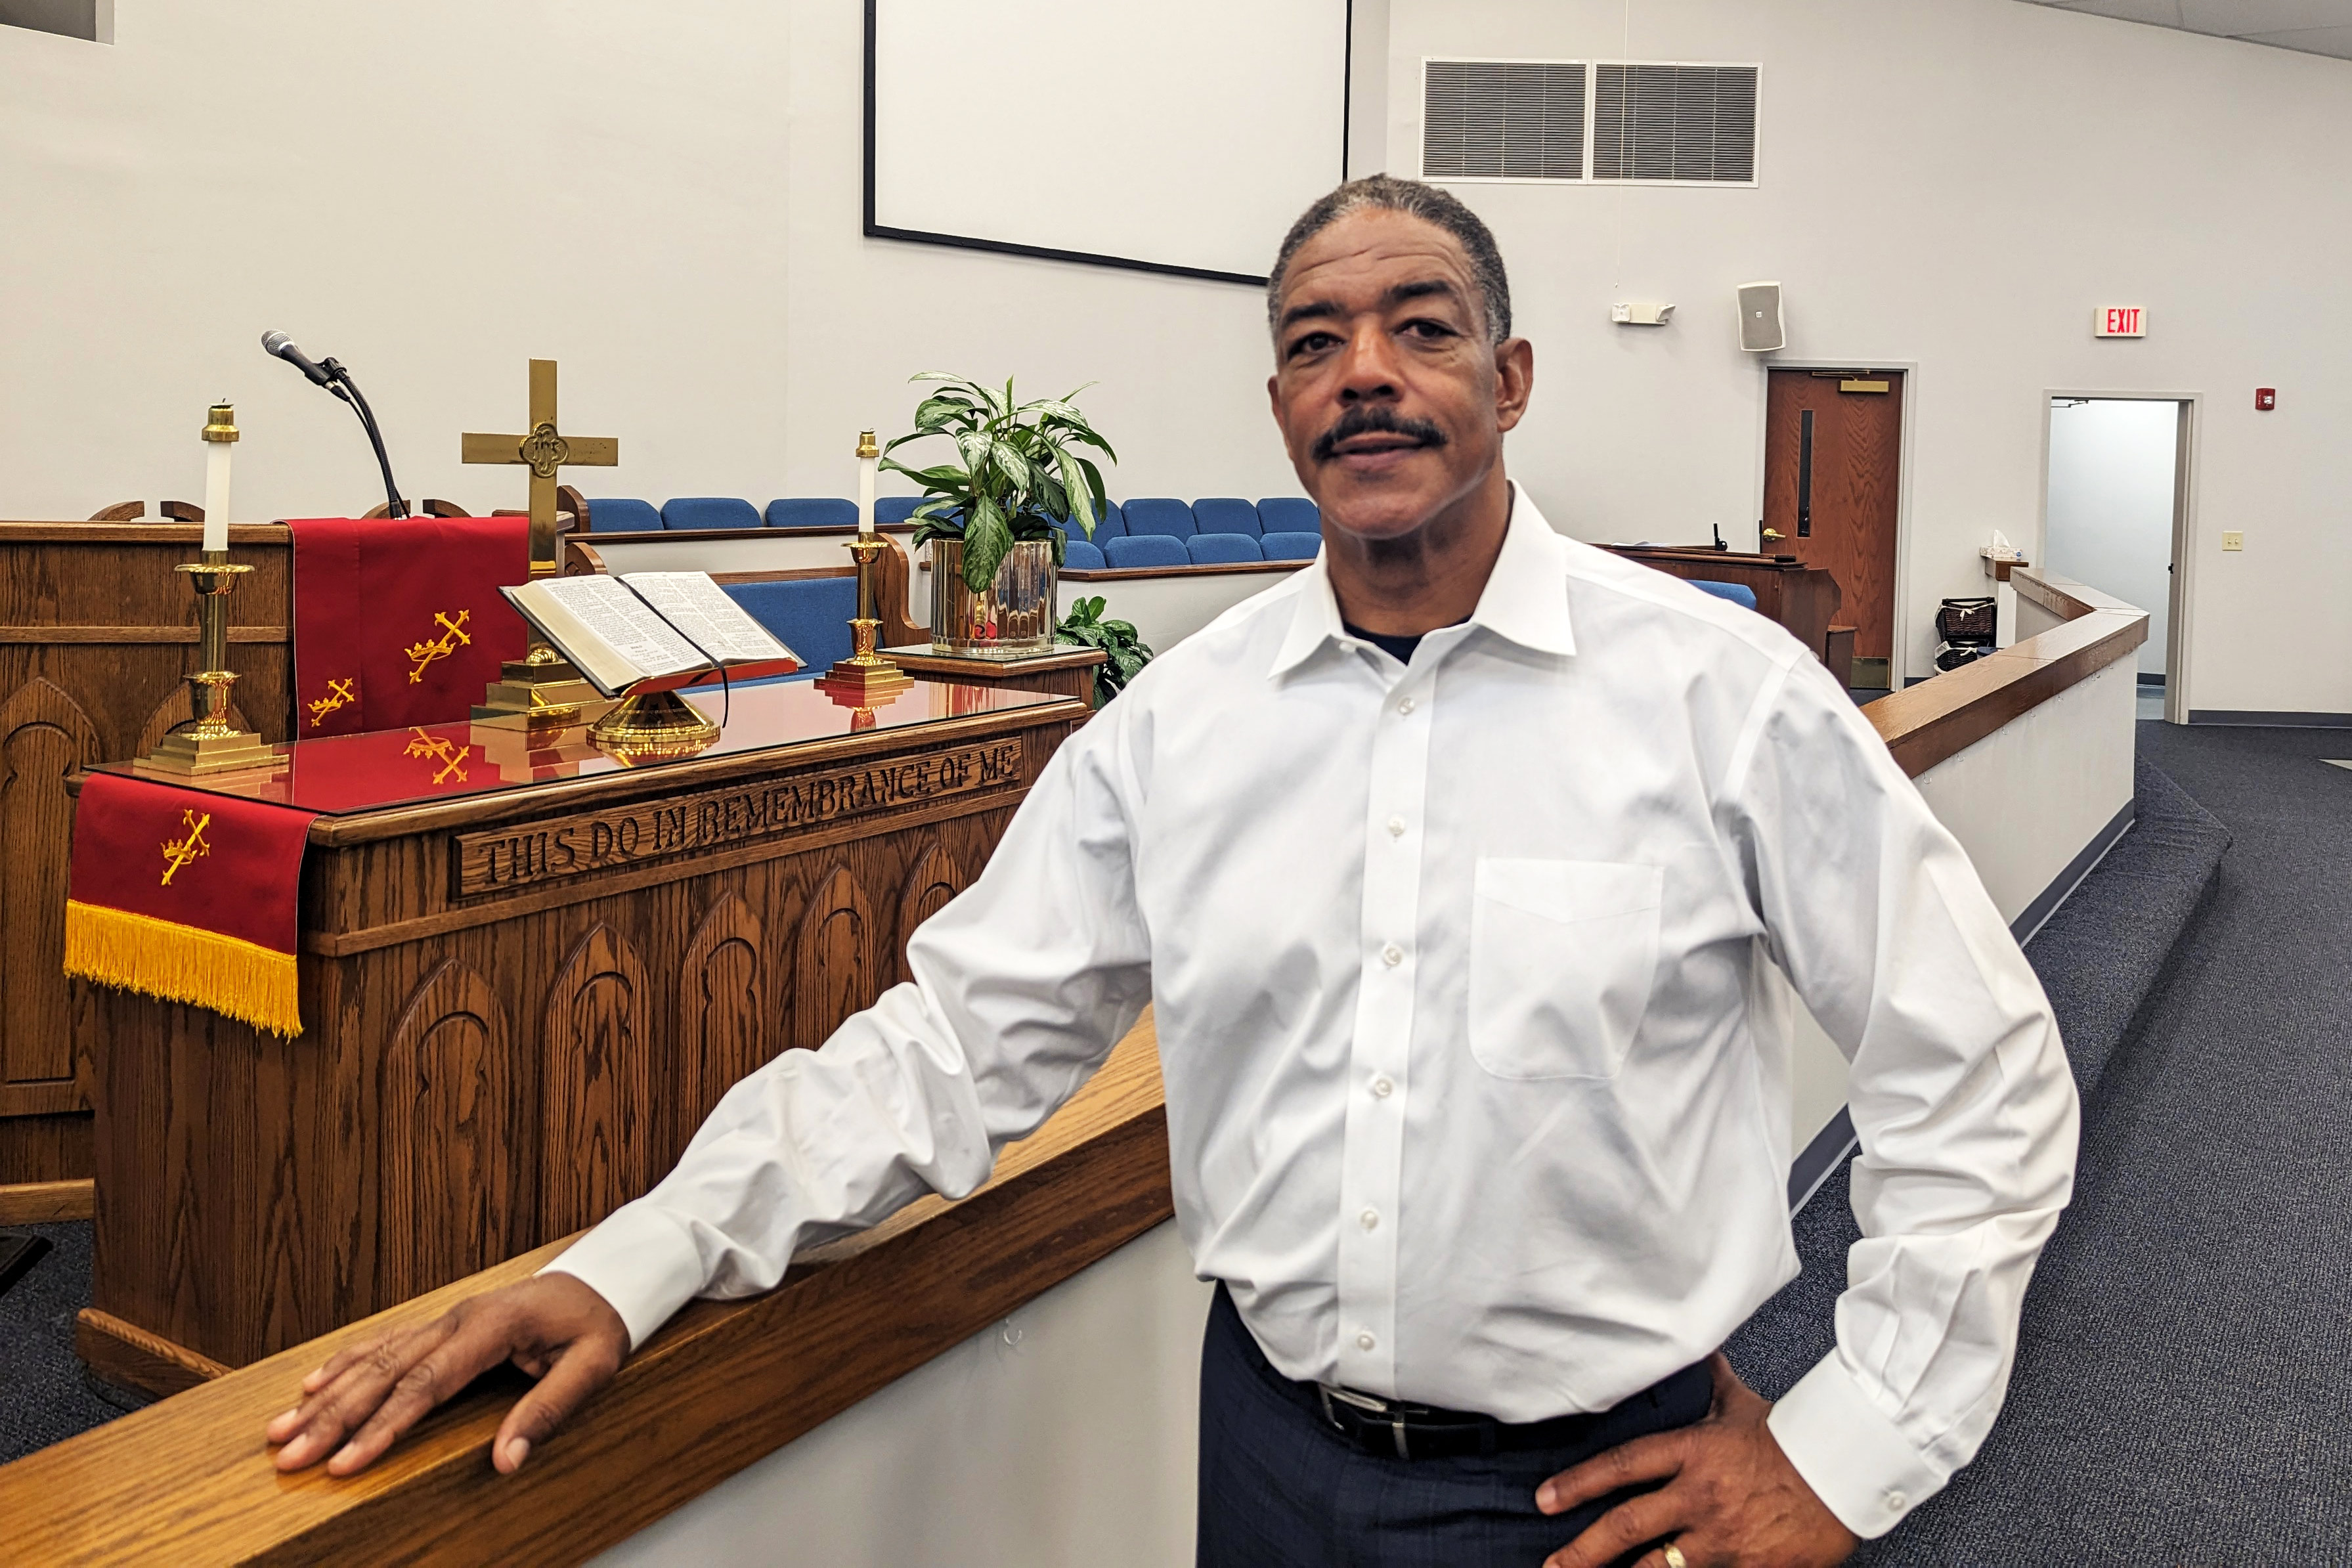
(649, 631)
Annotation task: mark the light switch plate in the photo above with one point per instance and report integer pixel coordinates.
(2233, 540)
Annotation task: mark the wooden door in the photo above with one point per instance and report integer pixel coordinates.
(1833, 454)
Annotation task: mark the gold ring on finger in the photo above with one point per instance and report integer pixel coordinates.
(1674, 1555)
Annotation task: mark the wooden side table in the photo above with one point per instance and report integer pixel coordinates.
(1064, 672)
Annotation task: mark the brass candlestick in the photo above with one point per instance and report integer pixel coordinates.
(213, 744)
(865, 678)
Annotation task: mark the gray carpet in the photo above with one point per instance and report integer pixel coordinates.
(2186, 1365)
(46, 1399)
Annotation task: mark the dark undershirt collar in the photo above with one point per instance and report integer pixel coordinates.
(1399, 648)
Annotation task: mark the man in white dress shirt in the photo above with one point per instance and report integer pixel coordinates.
(1467, 872)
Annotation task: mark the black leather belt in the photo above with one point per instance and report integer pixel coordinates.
(1395, 1429)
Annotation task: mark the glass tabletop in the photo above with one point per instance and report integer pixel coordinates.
(345, 775)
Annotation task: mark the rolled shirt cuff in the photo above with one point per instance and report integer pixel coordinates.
(640, 1260)
(1856, 1459)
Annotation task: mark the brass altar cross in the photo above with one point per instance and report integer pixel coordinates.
(546, 452)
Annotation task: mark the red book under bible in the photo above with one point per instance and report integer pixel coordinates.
(399, 621)
(188, 897)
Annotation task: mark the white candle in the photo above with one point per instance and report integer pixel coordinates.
(868, 458)
(216, 452)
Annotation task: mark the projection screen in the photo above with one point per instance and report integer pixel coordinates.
(1175, 138)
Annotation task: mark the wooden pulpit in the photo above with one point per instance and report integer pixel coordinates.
(526, 974)
(1800, 597)
(97, 634)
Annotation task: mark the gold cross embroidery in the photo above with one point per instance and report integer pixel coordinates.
(448, 754)
(339, 695)
(442, 647)
(179, 852)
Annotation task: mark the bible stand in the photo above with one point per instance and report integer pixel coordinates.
(652, 727)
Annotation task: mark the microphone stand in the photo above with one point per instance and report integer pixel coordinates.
(348, 391)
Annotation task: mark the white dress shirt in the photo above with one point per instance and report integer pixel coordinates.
(1477, 1065)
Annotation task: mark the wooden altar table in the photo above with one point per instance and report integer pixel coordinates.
(526, 974)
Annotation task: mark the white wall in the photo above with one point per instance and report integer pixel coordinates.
(1955, 185)
(1064, 1436)
(2110, 505)
(666, 199)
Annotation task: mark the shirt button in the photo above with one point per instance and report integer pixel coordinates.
(1404, 705)
(1396, 828)
(1383, 1088)
(1393, 955)
(1365, 1342)
(1895, 1501)
(1370, 1219)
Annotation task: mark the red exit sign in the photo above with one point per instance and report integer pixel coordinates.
(2122, 322)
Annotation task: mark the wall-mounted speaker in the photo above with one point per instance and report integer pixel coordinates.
(1760, 331)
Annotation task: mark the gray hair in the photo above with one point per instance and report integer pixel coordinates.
(1385, 193)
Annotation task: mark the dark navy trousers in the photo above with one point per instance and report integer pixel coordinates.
(1281, 1489)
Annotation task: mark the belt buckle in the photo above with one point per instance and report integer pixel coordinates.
(1380, 1409)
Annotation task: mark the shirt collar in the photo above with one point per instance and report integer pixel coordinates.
(1525, 600)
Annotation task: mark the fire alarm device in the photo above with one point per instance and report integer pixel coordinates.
(2265, 398)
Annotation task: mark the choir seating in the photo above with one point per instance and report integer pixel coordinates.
(1171, 567)
(808, 614)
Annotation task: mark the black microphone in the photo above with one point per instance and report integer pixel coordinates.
(337, 380)
(281, 345)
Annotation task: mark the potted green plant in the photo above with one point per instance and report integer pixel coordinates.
(1124, 651)
(993, 516)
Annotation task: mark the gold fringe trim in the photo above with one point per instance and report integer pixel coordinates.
(176, 963)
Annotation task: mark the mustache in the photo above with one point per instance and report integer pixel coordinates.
(1373, 419)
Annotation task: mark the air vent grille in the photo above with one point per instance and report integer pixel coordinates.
(1674, 124)
(1503, 120)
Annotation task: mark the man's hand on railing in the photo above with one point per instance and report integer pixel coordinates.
(552, 1326)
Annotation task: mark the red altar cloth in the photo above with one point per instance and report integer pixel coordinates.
(399, 621)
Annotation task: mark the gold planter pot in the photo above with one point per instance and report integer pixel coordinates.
(1015, 619)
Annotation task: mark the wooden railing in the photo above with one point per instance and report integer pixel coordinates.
(1936, 718)
(189, 1480)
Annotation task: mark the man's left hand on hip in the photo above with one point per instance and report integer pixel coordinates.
(1731, 1496)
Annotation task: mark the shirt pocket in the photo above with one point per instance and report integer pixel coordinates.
(1561, 957)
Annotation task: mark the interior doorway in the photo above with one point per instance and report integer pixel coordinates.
(1832, 494)
(2114, 513)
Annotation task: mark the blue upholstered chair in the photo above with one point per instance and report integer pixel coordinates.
(1145, 550)
(1289, 514)
(813, 511)
(1109, 524)
(1221, 549)
(1153, 514)
(894, 509)
(707, 512)
(810, 614)
(1223, 514)
(1077, 555)
(1737, 593)
(1279, 546)
(622, 515)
